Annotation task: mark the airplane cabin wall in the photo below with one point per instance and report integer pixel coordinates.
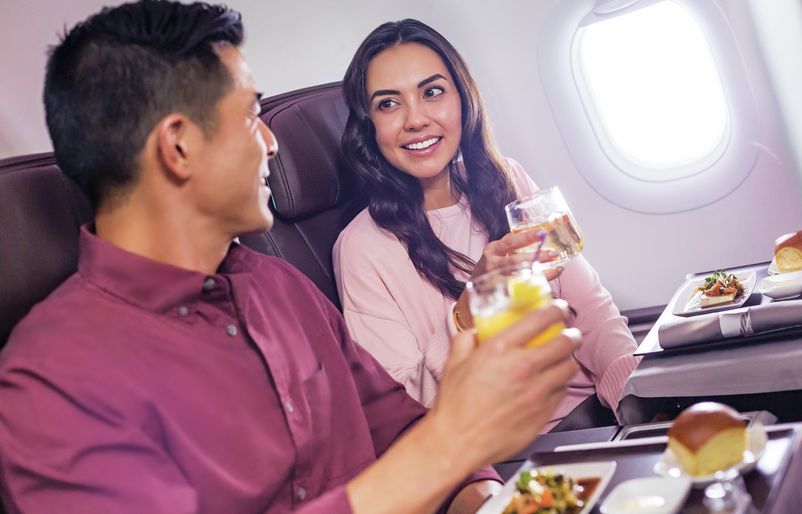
(641, 258)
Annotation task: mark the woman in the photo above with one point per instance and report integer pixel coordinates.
(418, 139)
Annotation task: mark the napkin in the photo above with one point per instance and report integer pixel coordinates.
(736, 323)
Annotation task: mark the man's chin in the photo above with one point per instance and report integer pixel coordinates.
(264, 224)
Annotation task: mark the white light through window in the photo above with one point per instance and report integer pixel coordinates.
(654, 89)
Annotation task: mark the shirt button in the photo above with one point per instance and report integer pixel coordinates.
(288, 406)
(183, 310)
(301, 493)
(209, 284)
(232, 330)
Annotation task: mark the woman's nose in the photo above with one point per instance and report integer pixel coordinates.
(417, 117)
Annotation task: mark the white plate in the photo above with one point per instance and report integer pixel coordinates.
(681, 307)
(654, 495)
(669, 466)
(773, 267)
(601, 470)
(782, 286)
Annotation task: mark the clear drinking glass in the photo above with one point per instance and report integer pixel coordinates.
(501, 297)
(547, 211)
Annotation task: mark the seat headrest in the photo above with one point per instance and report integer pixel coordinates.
(305, 176)
(41, 212)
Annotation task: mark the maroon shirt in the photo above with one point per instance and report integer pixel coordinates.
(139, 387)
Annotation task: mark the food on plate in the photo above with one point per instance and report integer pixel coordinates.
(707, 437)
(549, 493)
(718, 289)
(788, 252)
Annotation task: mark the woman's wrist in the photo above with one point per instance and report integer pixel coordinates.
(462, 314)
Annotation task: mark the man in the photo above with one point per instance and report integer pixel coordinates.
(177, 372)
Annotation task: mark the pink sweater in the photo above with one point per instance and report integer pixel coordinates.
(406, 323)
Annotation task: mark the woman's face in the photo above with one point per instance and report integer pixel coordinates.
(415, 108)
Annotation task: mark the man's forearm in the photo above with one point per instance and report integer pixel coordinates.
(415, 475)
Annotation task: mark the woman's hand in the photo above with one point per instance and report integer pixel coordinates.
(498, 254)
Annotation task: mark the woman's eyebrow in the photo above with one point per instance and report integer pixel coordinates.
(382, 92)
(430, 79)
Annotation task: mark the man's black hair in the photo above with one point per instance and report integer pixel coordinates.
(115, 75)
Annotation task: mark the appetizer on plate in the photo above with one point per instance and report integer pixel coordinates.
(549, 493)
(718, 289)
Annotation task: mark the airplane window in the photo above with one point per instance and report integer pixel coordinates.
(652, 100)
(652, 90)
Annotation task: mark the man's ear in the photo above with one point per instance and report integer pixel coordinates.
(175, 135)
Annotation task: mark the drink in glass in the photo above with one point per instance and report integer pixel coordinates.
(501, 297)
(547, 211)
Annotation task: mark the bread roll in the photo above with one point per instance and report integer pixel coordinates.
(788, 252)
(707, 437)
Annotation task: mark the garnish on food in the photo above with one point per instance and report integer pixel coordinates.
(719, 288)
(544, 493)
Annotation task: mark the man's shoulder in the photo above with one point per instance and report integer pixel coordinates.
(52, 320)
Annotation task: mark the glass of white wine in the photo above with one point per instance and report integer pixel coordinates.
(548, 212)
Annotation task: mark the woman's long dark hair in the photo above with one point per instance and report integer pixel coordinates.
(395, 199)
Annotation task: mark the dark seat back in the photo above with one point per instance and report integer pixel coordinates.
(41, 210)
(314, 196)
(40, 215)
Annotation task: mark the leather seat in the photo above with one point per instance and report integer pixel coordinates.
(41, 210)
(314, 197)
(40, 215)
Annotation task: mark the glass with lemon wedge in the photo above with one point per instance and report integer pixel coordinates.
(501, 297)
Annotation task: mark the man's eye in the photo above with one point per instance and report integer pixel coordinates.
(434, 91)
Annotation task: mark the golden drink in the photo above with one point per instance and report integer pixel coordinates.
(501, 298)
(563, 240)
(547, 211)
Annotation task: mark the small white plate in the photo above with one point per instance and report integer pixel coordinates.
(669, 466)
(782, 286)
(655, 495)
(682, 307)
(601, 470)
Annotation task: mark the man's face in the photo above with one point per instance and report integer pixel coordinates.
(230, 181)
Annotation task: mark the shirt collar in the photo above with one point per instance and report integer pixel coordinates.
(151, 284)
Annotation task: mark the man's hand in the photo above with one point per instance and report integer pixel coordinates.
(494, 399)
(499, 254)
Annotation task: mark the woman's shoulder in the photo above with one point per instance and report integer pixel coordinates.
(520, 177)
(362, 236)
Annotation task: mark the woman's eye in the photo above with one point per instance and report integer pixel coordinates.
(434, 91)
(385, 104)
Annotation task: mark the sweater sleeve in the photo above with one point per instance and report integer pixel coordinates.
(608, 345)
(377, 315)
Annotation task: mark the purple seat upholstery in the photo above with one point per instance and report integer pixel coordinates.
(314, 196)
(41, 210)
(40, 215)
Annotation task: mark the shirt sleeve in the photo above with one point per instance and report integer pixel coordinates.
(64, 447)
(376, 315)
(389, 410)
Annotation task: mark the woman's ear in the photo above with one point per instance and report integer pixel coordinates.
(174, 139)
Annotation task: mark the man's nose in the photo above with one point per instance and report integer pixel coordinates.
(270, 139)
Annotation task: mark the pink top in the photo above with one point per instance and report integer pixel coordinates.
(405, 322)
